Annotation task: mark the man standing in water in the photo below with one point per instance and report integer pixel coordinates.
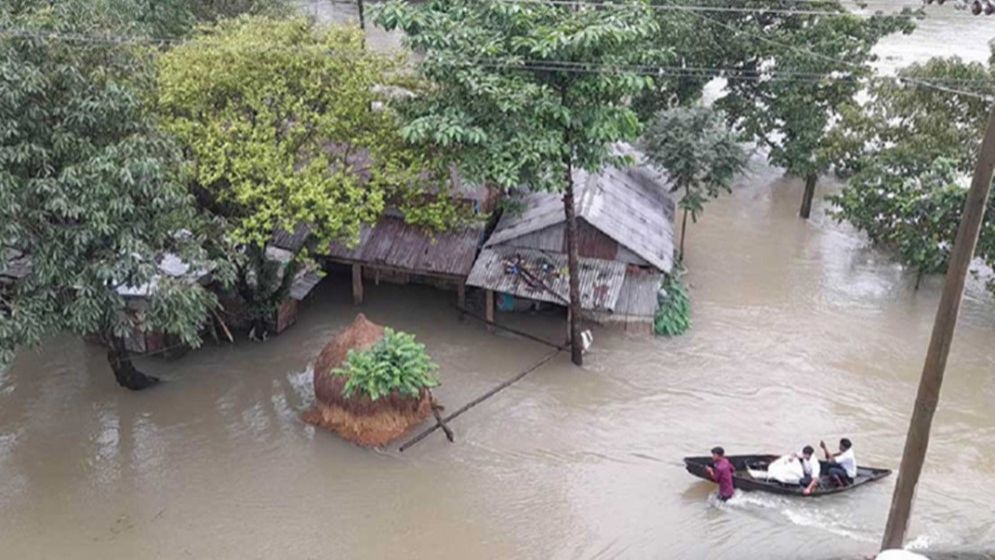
(843, 464)
(722, 473)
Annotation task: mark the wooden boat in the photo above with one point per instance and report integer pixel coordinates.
(743, 480)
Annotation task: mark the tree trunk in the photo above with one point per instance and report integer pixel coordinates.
(124, 371)
(362, 14)
(928, 395)
(810, 180)
(573, 266)
(684, 233)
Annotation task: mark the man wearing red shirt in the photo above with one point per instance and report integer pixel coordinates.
(722, 473)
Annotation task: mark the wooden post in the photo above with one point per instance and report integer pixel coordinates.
(357, 284)
(461, 298)
(917, 439)
(806, 209)
(489, 308)
(569, 323)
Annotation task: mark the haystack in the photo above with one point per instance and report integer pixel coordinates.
(358, 418)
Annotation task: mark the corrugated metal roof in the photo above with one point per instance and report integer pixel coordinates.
(543, 276)
(303, 284)
(639, 293)
(291, 241)
(632, 206)
(394, 244)
(170, 265)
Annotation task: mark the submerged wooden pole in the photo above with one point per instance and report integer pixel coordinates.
(928, 396)
(489, 309)
(357, 284)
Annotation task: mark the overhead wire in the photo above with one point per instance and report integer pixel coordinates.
(835, 60)
(585, 67)
(696, 7)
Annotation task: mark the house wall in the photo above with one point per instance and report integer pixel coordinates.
(628, 323)
(593, 243)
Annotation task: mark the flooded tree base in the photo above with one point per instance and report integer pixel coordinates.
(125, 372)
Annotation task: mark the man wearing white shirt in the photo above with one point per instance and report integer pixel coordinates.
(810, 470)
(843, 464)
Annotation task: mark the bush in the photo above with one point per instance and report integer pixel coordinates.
(395, 363)
(673, 317)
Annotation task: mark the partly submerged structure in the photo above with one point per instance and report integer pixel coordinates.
(393, 250)
(625, 243)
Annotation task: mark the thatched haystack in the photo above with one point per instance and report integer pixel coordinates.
(358, 418)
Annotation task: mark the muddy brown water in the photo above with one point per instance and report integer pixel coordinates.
(801, 332)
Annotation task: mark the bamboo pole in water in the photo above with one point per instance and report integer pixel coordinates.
(928, 396)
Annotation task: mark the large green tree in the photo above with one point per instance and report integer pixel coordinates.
(701, 156)
(526, 92)
(89, 204)
(284, 124)
(790, 70)
(909, 149)
(933, 109)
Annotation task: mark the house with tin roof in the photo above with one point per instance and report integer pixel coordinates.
(625, 243)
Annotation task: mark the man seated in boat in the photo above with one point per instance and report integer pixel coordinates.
(810, 470)
(842, 464)
(722, 473)
(794, 469)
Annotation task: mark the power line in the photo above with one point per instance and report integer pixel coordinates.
(837, 60)
(735, 74)
(692, 8)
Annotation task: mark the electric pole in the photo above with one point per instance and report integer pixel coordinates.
(928, 395)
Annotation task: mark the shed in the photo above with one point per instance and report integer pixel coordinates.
(625, 243)
(394, 250)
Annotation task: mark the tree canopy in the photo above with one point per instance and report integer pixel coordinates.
(910, 149)
(277, 120)
(89, 201)
(789, 72)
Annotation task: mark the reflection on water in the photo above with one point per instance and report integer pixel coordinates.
(801, 332)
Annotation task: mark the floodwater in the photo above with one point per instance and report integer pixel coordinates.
(801, 332)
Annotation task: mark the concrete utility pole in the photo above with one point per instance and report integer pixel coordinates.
(917, 439)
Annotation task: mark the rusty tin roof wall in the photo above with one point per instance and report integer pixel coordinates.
(638, 297)
(542, 276)
(633, 206)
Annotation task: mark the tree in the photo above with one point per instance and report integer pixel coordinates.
(699, 152)
(913, 213)
(909, 148)
(89, 202)
(277, 120)
(910, 117)
(789, 71)
(526, 92)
